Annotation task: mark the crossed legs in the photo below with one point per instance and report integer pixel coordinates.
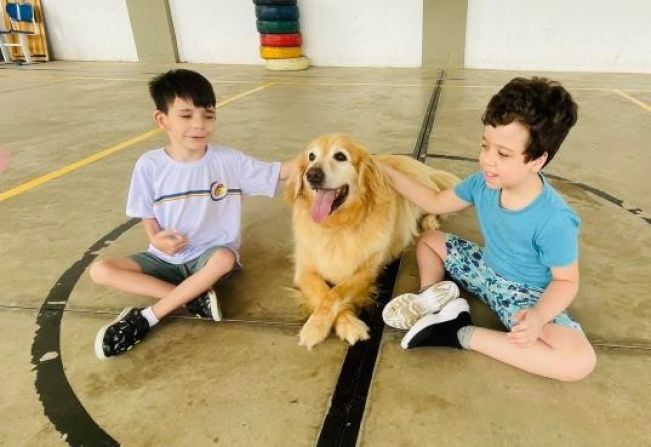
(561, 353)
(125, 274)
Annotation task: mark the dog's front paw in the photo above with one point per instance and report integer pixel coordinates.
(351, 328)
(314, 331)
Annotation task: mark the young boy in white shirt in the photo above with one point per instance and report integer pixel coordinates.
(188, 195)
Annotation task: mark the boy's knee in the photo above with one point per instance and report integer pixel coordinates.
(586, 364)
(581, 366)
(431, 237)
(225, 258)
(434, 240)
(99, 271)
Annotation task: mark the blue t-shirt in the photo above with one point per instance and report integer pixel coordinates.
(522, 245)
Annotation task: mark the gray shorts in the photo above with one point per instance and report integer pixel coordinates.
(176, 273)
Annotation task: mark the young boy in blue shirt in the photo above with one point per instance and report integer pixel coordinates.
(188, 197)
(528, 271)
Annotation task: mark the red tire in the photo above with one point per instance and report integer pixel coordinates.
(281, 40)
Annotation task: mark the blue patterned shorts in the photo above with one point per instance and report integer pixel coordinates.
(465, 263)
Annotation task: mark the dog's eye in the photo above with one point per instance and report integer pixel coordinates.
(311, 157)
(340, 156)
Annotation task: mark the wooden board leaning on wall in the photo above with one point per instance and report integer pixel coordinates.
(37, 43)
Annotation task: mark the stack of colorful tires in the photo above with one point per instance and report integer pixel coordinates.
(280, 37)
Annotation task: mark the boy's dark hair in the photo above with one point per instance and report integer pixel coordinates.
(543, 106)
(185, 84)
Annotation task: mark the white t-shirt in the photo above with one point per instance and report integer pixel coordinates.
(200, 199)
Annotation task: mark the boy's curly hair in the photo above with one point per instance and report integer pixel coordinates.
(181, 83)
(543, 106)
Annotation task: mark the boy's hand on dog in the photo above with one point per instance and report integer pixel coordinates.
(528, 328)
(169, 241)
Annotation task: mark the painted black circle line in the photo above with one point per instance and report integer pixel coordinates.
(70, 418)
(60, 403)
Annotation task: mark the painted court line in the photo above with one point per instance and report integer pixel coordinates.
(315, 81)
(645, 106)
(106, 152)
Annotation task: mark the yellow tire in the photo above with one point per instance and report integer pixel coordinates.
(280, 52)
(295, 63)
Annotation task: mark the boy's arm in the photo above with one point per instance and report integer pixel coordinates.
(151, 227)
(423, 196)
(560, 292)
(167, 241)
(558, 295)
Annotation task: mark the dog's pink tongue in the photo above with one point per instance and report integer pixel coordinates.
(322, 204)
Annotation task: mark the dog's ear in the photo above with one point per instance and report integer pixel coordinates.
(294, 183)
(371, 181)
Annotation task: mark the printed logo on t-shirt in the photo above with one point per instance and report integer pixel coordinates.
(216, 192)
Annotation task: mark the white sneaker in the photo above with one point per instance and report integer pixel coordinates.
(405, 310)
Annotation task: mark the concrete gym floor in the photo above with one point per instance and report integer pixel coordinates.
(75, 131)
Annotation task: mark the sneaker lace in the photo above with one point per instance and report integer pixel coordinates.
(129, 330)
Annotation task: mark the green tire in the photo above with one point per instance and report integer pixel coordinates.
(277, 26)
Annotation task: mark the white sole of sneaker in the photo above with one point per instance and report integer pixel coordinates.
(449, 312)
(99, 338)
(214, 305)
(405, 310)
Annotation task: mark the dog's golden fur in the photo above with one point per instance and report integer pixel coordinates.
(339, 253)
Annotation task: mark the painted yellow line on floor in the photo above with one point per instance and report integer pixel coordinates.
(243, 94)
(212, 81)
(74, 166)
(106, 152)
(644, 105)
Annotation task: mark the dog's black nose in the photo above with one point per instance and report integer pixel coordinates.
(315, 176)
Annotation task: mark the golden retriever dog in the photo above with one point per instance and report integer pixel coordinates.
(348, 223)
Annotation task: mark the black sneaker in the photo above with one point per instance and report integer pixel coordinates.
(206, 306)
(439, 329)
(121, 334)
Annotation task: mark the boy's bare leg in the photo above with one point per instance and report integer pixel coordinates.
(430, 255)
(220, 263)
(125, 274)
(562, 353)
